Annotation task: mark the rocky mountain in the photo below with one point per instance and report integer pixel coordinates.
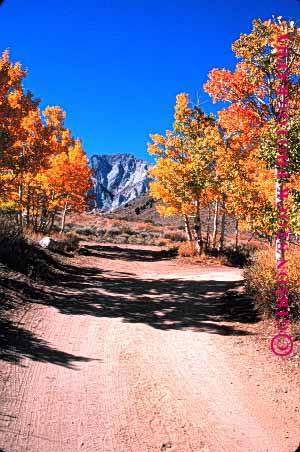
(118, 179)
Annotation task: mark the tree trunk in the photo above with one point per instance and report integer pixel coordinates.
(63, 218)
(34, 215)
(215, 227)
(223, 220)
(28, 207)
(198, 229)
(188, 228)
(53, 215)
(20, 211)
(279, 241)
(43, 218)
(208, 228)
(236, 234)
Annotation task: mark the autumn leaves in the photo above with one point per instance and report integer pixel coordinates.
(228, 162)
(43, 169)
(225, 163)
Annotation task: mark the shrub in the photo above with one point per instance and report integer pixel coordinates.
(86, 231)
(127, 230)
(100, 232)
(136, 240)
(116, 223)
(172, 251)
(144, 226)
(146, 235)
(162, 243)
(175, 236)
(112, 232)
(187, 249)
(71, 241)
(260, 282)
(239, 257)
(70, 226)
(123, 238)
(22, 255)
(55, 228)
(156, 234)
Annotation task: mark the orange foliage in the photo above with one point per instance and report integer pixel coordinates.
(43, 170)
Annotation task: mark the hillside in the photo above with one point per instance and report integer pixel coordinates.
(143, 208)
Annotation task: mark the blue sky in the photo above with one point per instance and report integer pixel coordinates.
(116, 66)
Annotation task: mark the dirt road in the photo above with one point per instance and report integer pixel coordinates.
(133, 353)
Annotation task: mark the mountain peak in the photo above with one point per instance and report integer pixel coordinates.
(118, 179)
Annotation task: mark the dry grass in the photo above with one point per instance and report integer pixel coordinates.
(120, 230)
(117, 230)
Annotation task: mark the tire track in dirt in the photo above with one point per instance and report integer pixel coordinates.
(129, 386)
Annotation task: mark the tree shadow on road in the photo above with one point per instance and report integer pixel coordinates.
(128, 254)
(17, 343)
(165, 304)
(161, 303)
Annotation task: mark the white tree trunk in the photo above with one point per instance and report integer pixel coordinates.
(215, 227)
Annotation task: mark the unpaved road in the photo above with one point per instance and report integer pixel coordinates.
(132, 354)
